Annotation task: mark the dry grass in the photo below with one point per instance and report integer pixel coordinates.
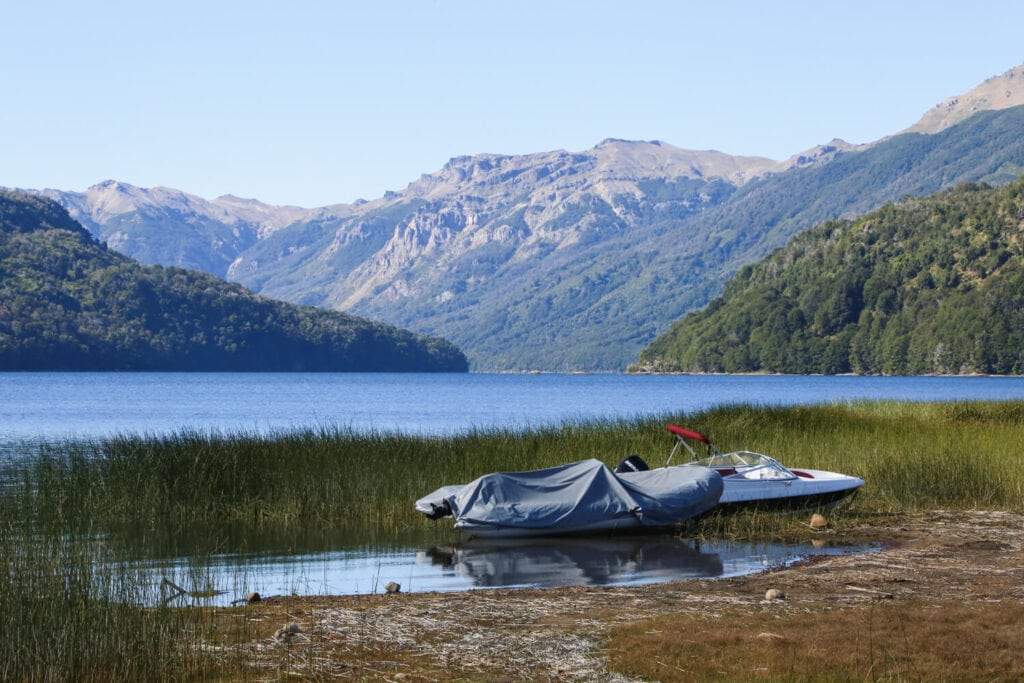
(916, 640)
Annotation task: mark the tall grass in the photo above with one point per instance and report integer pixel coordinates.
(912, 456)
(68, 612)
(311, 477)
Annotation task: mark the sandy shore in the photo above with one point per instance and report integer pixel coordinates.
(562, 634)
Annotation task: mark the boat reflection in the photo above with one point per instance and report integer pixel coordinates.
(594, 561)
(443, 564)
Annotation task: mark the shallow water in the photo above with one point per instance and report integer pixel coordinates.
(473, 564)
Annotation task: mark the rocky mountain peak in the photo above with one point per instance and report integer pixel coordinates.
(111, 198)
(999, 92)
(105, 202)
(638, 159)
(610, 161)
(821, 153)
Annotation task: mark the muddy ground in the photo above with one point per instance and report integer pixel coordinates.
(563, 634)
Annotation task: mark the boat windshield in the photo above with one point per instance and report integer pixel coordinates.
(746, 465)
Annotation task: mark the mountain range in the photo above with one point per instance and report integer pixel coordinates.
(557, 260)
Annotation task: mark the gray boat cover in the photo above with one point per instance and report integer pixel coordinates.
(580, 495)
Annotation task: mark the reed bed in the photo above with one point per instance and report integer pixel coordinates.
(913, 456)
(68, 613)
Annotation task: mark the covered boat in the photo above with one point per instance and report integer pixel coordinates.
(580, 497)
(757, 479)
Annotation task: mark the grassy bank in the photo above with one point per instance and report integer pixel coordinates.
(65, 615)
(913, 456)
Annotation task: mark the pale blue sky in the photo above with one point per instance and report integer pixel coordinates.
(313, 103)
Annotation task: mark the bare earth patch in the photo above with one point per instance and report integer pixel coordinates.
(935, 561)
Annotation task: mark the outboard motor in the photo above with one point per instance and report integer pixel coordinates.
(439, 511)
(633, 463)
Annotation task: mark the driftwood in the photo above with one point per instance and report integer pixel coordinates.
(178, 590)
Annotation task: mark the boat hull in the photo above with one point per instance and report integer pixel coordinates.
(793, 503)
(810, 490)
(625, 524)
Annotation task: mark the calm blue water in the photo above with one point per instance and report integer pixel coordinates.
(57, 405)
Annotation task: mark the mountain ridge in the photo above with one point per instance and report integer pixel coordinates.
(564, 260)
(994, 94)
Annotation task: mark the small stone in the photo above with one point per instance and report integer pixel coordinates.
(774, 594)
(253, 597)
(287, 632)
(393, 587)
(765, 635)
(818, 521)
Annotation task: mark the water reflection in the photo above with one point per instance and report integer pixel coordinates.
(143, 541)
(473, 564)
(554, 562)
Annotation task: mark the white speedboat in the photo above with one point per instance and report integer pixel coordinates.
(581, 497)
(757, 479)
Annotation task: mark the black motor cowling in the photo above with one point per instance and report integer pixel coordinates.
(439, 511)
(633, 463)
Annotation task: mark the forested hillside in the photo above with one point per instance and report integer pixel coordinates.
(69, 303)
(932, 285)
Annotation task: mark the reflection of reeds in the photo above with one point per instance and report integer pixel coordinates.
(64, 611)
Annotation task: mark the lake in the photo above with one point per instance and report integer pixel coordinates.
(53, 406)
